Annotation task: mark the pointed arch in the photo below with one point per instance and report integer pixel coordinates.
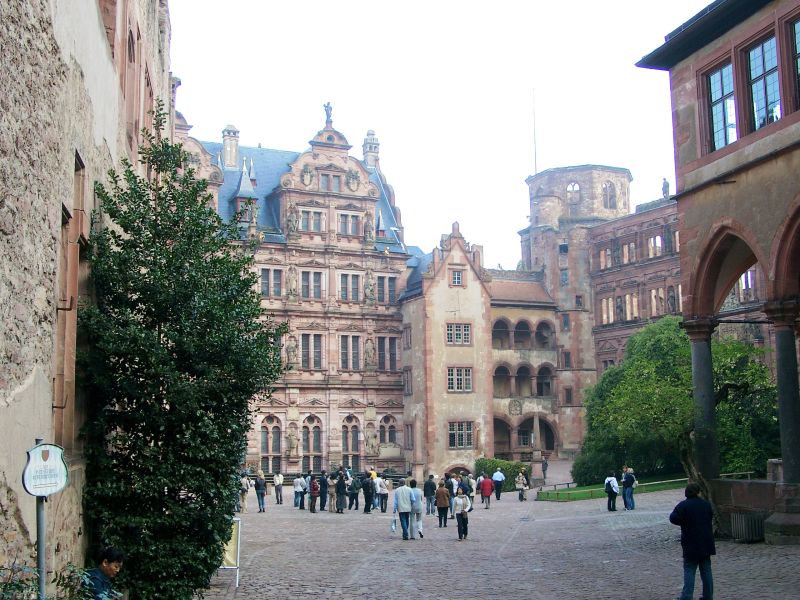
(730, 250)
(784, 280)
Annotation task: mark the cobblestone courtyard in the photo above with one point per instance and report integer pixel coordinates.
(539, 550)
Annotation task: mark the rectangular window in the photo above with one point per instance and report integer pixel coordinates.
(565, 322)
(524, 437)
(337, 183)
(408, 438)
(567, 359)
(354, 287)
(407, 387)
(277, 280)
(655, 246)
(381, 353)
(265, 274)
(387, 353)
(564, 277)
(392, 281)
(459, 434)
(311, 284)
(344, 288)
(567, 395)
(764, 86)
(407, 337)
(350, 352)
(722, 107)
(578, 301)
(317, 221)
(393, 354)
(311, 220)
(631, 306)
(628, 253)
(381, 289)
(311, 351)
(456, 277)
(458, 333)
(324, 182)
(348, 224)
(459, 379)
(657, 302)
(349, 286)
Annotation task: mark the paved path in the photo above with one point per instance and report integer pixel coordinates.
(537, 550)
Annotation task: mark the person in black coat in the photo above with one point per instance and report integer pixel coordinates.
(341, 493)
(368, 489)
(323, 490)
(695, 517)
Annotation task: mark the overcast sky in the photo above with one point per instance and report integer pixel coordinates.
(448, 88)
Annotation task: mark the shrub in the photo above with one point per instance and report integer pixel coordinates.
(509, 468)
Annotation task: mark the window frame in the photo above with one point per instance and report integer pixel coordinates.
(459, 379)
(464, 429)
(454, 330)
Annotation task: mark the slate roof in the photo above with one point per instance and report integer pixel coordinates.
(519, 292)
(269, 165)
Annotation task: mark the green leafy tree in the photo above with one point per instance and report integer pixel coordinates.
(645, 406)
(177, 347)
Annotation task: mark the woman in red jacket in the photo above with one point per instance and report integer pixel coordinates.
(487, 487)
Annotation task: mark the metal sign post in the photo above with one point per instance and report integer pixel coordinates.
(45, 473)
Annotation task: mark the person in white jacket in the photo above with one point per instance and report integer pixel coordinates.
(461, 506)
(611, 487)
(402, 505)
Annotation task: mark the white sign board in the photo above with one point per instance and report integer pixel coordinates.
(46, 472)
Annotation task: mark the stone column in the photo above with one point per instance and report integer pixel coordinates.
(536, 443)
(783, 315)
(705, 441)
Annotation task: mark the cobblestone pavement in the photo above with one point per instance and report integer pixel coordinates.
(537, 550)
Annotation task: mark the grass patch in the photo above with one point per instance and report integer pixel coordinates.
(650, 484)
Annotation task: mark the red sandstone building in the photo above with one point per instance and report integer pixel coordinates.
(735, 84)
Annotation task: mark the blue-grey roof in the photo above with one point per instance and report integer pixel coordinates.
(269, 166)
(418, 264)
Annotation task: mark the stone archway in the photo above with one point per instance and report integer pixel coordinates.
(502, 439)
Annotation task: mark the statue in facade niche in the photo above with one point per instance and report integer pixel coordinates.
(292, 219)
(291, 442)
(372, 443)
(291, 351)
(369, 228)
(369, 287)
(671, 306)
(291, 281)
(620, 310)
(369, 352)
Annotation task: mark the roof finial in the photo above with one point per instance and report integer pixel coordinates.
(328, 109)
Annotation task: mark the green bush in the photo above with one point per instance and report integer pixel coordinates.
(509, 468)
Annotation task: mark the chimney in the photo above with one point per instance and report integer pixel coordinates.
(370, 148)
(230, 147)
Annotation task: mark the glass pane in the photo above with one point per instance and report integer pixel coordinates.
(276, 440)
(317, 440)
(264, 440)
(306, 446)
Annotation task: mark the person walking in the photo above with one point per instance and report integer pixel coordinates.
(544, 469)
(487, 487)
(244, 487)
(454, 483)
(402, 506)
(429, 490)
(415, 525)
(314, 491)
(278, 480)
(382, 492)
(611, 488)
(695, 518)
(498, 478)
(442, 503)
(461, 507)
(260, 486)
(519, 484)
(480, 479)
(323, 490)
(470, 480)
(341, 493)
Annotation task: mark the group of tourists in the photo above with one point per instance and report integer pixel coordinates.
(612, 487)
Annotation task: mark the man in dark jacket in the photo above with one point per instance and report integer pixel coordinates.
(695, 517)
(323, 490)
(429, 490)
(368, 489)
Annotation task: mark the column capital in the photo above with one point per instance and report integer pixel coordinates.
(699, 329)
(782, 313)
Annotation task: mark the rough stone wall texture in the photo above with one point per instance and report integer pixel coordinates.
(60, 98)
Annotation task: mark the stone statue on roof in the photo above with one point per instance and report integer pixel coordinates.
(665, 189)
(328, 109)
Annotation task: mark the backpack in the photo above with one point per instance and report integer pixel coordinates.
(609, 489)
(356, 484)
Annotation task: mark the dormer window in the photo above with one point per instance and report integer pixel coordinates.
(330, 183)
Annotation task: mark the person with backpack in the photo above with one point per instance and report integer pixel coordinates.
(313, 488)
(353, 490)
(611, 488)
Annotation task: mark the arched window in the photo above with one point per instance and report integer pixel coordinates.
(392, 434)
(524, 383)
(522, 336)
(544, 382)
(502, 382)
(351, 443)
(609, 195)
(382, 434)
(544, 336)
(270, 449)
(501, 340)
